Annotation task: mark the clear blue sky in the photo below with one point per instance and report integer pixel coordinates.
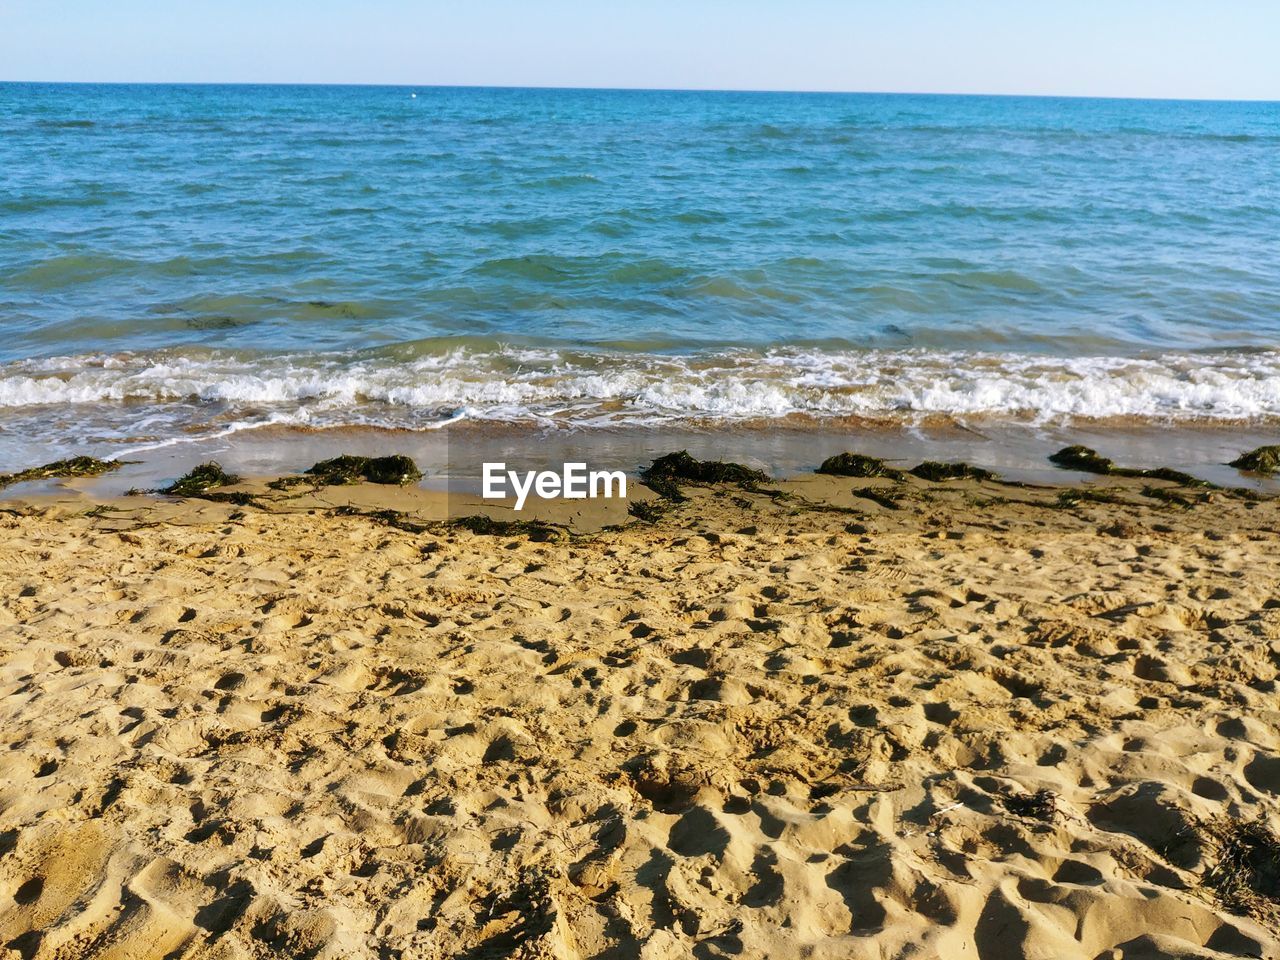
(1146, 48)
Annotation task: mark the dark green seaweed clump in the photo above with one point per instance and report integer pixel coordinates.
(74, 467)
(396, 469)
(857, 465)
(1087, 460)
(936, 472)
(664, 474)
(536, 530)
(645, 510)
(1265, 460)
(1083, 459)
(201, 480)
(1246, 877)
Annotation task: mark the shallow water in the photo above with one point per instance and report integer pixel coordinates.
(178, 262)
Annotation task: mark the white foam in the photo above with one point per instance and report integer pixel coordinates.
(503, 383)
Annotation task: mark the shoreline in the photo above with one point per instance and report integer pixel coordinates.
(452, 458)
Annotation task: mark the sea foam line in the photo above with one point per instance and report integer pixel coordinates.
(512, 383)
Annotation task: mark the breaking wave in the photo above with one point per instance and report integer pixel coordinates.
(420, 388)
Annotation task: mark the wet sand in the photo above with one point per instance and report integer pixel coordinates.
(824, 717)
(452, 457)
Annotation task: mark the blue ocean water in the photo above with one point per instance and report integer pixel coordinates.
(176, 260)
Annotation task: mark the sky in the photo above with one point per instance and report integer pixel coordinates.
(1228, 49)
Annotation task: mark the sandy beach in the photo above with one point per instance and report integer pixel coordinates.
(826, 717)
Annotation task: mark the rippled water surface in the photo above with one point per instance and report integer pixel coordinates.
(185, 259)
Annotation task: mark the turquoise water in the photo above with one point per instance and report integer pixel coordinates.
(182, 260)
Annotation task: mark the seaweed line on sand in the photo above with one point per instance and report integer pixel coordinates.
(1088, 460)
(395, 469)
(60, 469)
(664, 475)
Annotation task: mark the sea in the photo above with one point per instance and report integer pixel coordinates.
(180, 263)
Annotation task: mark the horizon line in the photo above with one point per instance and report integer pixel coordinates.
(628, 89)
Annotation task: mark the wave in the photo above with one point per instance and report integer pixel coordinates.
(419, 386)
(67, 270)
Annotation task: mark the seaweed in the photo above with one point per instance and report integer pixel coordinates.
(883, 497)
(1173, 476)
(1246, 876)
(387, 518)
(645, 510)
(662, 475)
(73, 467)
(537, 530)
(1172, 498)
(1087, 460)
(936, 472)
(1077, 495)
(1041, 805)
(347, 469)
(1084, 459)
(805, 505)
(858, 465)
(239, 497)
(103, 510)
(1263, 460)
(200, 480)
(479, 524)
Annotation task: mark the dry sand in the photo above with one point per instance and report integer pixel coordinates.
(754, 728)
